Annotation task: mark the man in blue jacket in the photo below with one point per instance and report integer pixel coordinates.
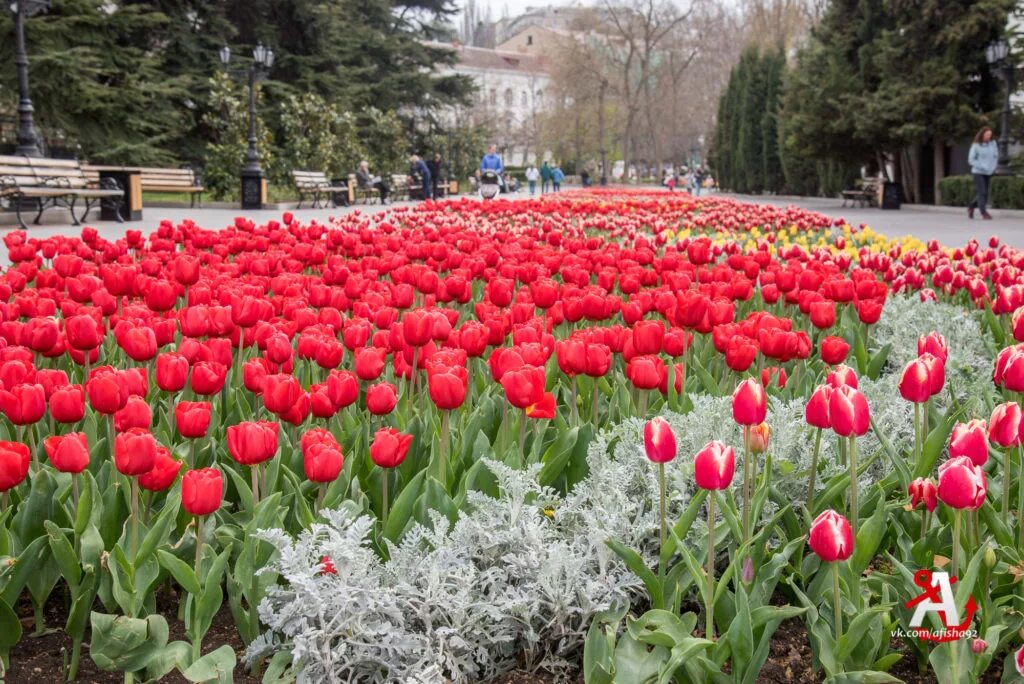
(492, 162)
(418, 169)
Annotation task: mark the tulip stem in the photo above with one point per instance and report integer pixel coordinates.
(814, 472)
(661, 507)
(854, 512)
(199, 547)
(1020, 495)
(575, 409)
(642, 404)
(746, 484)
(593, 401)
(135, 515)
(321, 493)
(74, 492)
(522, 436)
(917, 434)
(255, 485)
(956, 539)
(445, 437)
(384, 494)
(837, 602)
(1006, 485)
(709, 630)
(192, 454)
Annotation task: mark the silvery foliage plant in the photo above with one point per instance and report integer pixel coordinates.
(517, 579)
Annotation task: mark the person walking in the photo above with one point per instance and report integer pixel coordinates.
(367, 182)
(557, 176)
(435, 165)
(532, 174)
(983, 158)
(545, 177)
(492, 161)
(418, 170)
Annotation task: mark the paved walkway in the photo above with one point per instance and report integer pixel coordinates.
(948, 225)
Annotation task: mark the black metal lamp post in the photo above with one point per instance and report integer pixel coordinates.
(28, 140)
(997, 54)
(252, 172)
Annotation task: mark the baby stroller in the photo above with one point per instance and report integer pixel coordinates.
(490, 184)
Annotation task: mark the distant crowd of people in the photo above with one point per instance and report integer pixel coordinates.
(691, 180)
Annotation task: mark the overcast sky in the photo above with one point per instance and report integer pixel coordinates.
(512, 8)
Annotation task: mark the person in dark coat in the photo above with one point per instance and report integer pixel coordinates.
(418, 171)
(366, 181)
(436, 166)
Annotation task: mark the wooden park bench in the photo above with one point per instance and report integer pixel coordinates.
(154, 179)
(40, 183)
(314, 185)
(864, 193)
(399, 186)
(360, 193)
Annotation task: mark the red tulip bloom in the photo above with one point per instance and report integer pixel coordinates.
(831, 537)
(23, 404)
(135, 414)
(749, 403)
(1004, 426)
(164, 473)
(524, 386)
(714, 466)
(84, 332)
(192, 418)
(51, 380)
(67, 404)
(389, 447)
(202, 491)
(448, 386)
(68, 453)
(971, 440)
(648, 337)
(834, 350)
(543, 409)
(923, 490)
(936, 372)
(935, 344)
(369, 362)
(343, 388)
(381, 398)
(322, 459)
(280, 392)
(962, 484)
(645, 372)
(135, 451)
(823, 314)
(171, 372)
(139, 343)
(842, 375)
(208, 377)
(252, 442)
(14, 458)
(254, 374)
(848, 412)
(915, 384)
(869, 310)
(659, 440)
(107, 390)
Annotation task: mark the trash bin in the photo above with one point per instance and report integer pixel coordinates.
(891, 195)
(340, 199)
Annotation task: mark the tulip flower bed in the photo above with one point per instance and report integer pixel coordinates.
(617, 436)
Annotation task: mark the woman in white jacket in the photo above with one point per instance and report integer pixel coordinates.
(983, 159)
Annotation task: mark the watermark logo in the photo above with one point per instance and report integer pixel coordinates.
(937, 597)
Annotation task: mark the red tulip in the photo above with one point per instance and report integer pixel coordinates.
(915, 384)
(961, 484)
(68, 453)
(816, 412)
(1004, 426)
(714, 465)
(971, 440)
(648, 337)
(67, 404)
(389, 447)
(192, 418)
(834, 350)
(936, 372)
(823, 314)
(252, 442)
(524, 386)
(749, 403)
(322, 459)
(659, 440)
(543, 409)
(84, 332)
(208, 377)
(848, 412)
(23, 404)
(171, 372)
(164, 472)
(280, 392)
(381, 398)
(14, 459)
(343, 388)
(842, 375)
(135, 451)
(935, 344)
(135, 414)
(369, 363)
(138, 342)
(202, 491)
(1018, 660)
(107, 389)
(923, 490)
(831, 537)
(448, 386)
(645, 372)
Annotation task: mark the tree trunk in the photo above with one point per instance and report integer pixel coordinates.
(939, 162)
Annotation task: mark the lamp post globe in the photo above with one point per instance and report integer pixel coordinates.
(28, 139)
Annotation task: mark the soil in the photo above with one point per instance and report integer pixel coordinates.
(40, 659)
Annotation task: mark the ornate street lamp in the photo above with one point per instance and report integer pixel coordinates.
(28, 140)
(997, 54)
(252, 172)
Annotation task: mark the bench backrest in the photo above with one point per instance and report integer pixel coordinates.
(310, 179)
(37, 171)
(152, 177)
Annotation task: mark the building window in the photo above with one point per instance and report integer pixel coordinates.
(508, 98)
(529, 40)
(525, 99)
(494, 97)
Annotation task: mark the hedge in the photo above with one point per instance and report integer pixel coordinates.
(1006, 192)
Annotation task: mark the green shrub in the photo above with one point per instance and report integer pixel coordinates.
(1007, 192)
